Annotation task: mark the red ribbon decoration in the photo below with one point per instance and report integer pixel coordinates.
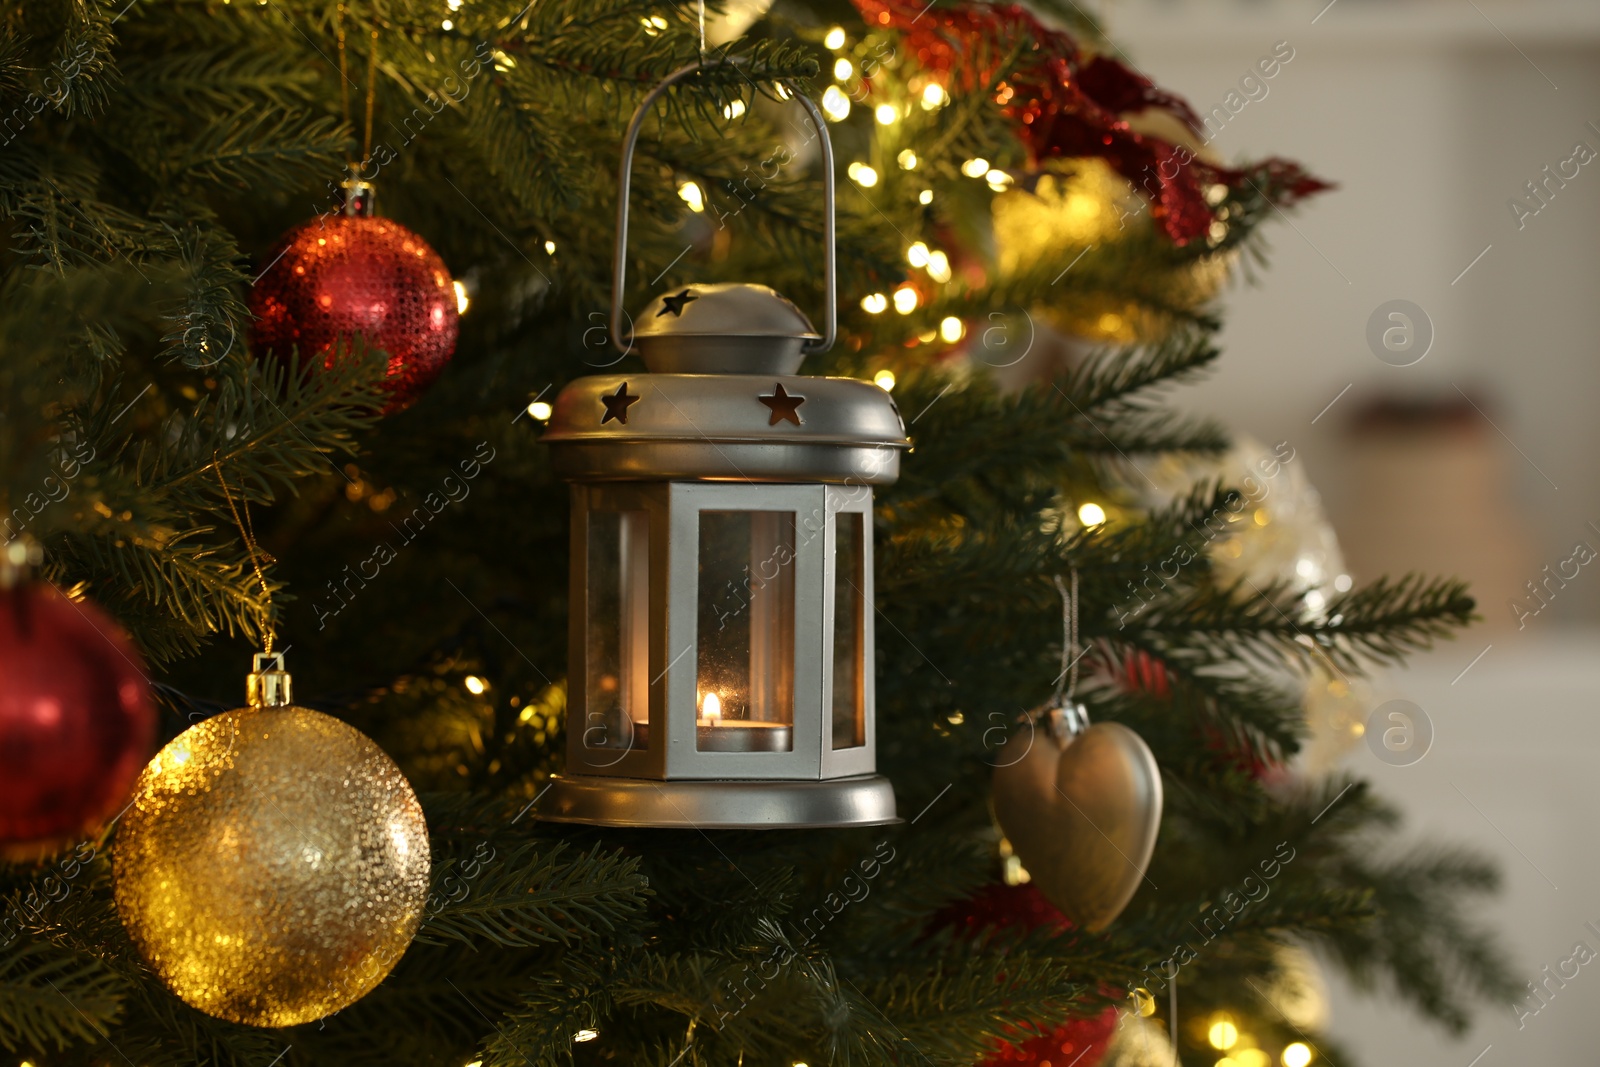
(1069, 105)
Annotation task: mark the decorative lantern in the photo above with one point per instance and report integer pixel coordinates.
(721, 633)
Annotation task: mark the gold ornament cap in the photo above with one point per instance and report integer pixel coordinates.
(269, 686)
(360, 198)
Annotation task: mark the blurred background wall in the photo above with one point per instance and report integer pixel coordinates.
(1431, 115)
(1479, 458)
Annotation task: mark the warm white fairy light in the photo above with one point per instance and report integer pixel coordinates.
(653, 25)
(1296, 1055)
(1091, 514)
(907, 159)
(447, 25)
(834, 39)
(549, 248)
(925, 197)
(540, 410)
(938, 266)
(1223, 1034)
(884, 380)
(874, 303)
(917, 255)
(733, 110)
(461, 296)
(835, 104)
(690, 194)
(585, 1035)
(905, 300)
(475, 685)
(862, 175)
(975, 168)
(934, 96)
(843, 68)
(951, 329)
(998, 180)
(886, 114)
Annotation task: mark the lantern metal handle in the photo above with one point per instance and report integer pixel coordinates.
(625, 179)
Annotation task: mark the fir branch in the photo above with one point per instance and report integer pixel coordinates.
(258, 144)
(50, 1000)
(537, 896)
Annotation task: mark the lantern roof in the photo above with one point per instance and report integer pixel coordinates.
(722, 402)
(726, 328)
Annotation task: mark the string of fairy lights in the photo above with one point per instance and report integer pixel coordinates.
(838, 102)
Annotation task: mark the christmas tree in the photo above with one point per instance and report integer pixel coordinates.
(1030, 235)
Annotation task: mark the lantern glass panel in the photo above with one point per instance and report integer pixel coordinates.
(849, 624)
(744, 674)
(617, 642)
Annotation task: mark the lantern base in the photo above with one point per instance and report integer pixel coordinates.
(865, 800)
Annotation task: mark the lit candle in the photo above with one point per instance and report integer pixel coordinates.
(713, 733)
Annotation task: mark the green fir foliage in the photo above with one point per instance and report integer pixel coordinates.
(150, 154)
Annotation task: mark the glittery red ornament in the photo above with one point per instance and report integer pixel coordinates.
(348, 276)
(76, 717)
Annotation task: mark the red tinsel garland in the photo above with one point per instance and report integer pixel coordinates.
(1070, 105)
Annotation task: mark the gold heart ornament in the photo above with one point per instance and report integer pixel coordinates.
(1081, 806)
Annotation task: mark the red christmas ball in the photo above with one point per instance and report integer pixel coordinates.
(76, 717)
(345, 276)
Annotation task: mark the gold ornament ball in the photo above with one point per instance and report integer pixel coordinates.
(1092, 206)
(273, 865)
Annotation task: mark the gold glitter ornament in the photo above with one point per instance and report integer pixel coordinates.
(274, 863)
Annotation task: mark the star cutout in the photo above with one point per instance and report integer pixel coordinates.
(617, 405)
(784, 406)
(675, 304)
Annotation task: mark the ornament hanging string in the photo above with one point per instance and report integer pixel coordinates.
(1172, 1018)
(702, 32)
(372, 84)
(344, 70)
(248, 533)
(372, 81)
(1067, 680)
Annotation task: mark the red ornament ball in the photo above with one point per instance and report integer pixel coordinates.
(346, 276)
(76, 718)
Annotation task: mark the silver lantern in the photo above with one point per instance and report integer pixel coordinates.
(722, 606)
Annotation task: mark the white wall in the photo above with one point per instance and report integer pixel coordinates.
(1431, 120)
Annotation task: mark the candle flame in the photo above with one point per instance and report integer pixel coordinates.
(712, 709)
